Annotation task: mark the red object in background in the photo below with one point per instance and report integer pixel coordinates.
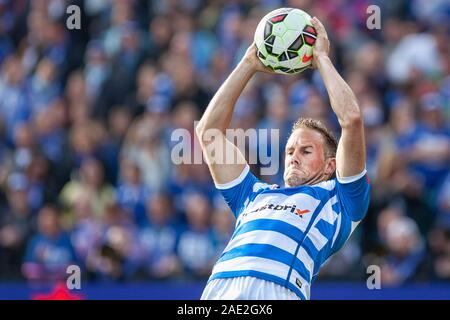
(60, 292)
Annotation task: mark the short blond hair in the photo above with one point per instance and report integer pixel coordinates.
(317, 125)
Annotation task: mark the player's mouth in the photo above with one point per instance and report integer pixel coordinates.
(295, 172)
(295, 169)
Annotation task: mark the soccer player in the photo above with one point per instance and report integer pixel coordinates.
(284, 235)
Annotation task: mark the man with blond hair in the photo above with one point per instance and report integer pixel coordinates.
(284, 235)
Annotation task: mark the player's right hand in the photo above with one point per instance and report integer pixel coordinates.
(251, 57)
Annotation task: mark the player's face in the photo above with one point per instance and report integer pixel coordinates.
(305, 161)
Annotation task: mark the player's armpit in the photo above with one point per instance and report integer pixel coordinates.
(224, 159)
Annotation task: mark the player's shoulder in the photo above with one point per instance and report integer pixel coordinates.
(327, 184)
(262, 186)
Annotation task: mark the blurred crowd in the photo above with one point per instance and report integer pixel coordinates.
(86, 118)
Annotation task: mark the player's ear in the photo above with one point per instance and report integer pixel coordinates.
(330, 166)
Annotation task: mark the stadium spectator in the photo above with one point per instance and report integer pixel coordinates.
(16, 225)
(405, 252)
(90, 179)
(159, 237)
(131, 193)
(196, 247)
(117, 257)
(50, 251)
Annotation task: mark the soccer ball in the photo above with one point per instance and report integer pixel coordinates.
(284, 39)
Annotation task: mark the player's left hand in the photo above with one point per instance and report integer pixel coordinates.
(322, 44)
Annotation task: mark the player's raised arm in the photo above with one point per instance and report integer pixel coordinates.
(212, 127)
(351, 151)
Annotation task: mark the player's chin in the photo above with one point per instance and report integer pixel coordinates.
(294, 180)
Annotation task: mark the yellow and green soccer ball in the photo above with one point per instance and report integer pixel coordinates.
(284, 39)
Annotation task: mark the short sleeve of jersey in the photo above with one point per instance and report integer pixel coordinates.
(353, 197)
(353, 194)
(238, 193)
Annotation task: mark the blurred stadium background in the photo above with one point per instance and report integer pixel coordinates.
(86, 118)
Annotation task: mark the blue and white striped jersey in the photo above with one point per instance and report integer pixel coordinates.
(284, 235)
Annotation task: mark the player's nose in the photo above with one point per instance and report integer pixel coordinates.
(294, 161)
